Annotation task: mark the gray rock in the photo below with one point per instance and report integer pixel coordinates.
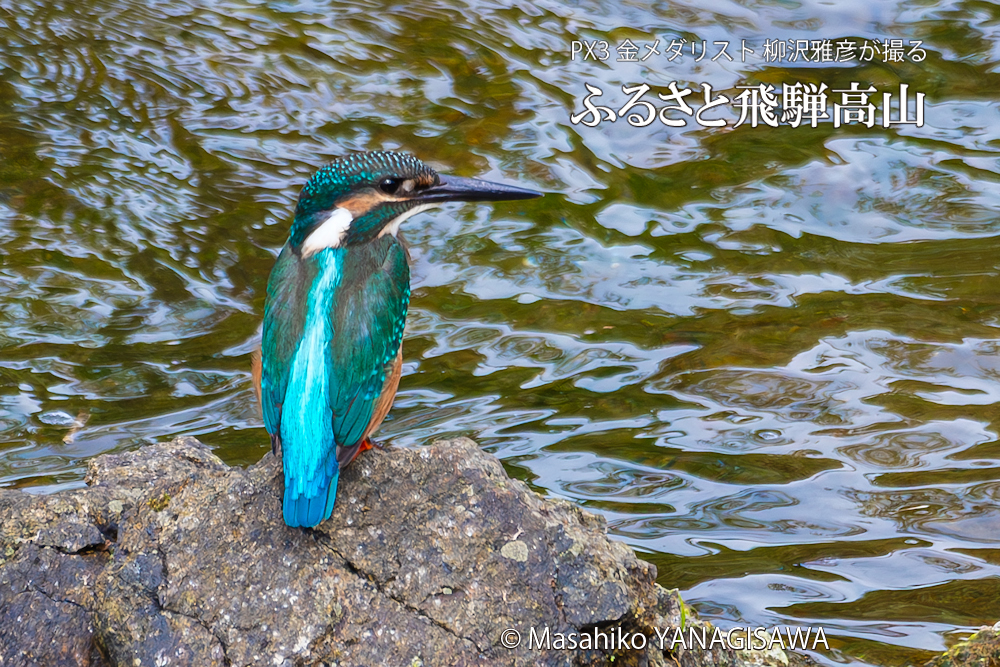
(170, 557)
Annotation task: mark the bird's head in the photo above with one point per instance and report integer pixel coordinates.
(355, 199)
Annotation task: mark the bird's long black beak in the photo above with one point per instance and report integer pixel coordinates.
(456, 188)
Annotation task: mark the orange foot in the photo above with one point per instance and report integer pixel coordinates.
(365, 445)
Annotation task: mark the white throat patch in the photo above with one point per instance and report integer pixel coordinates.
(330, 234)
(393, 227)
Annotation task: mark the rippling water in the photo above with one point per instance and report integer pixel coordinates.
(769, 356)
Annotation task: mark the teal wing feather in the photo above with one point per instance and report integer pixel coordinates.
(284, 317)
(333, 324)
(371, 314)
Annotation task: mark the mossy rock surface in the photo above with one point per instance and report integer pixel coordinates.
(980, 650)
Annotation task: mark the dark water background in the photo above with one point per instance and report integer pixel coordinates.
(769, 356)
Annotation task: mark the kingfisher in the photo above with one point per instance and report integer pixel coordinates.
(330, 357)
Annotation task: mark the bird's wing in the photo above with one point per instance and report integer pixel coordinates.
(369, 317)
(284, 319)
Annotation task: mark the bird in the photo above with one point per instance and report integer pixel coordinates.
(330, 358)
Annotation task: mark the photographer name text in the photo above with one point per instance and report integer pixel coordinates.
(669, 639)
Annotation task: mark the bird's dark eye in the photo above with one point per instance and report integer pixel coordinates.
(390, 185)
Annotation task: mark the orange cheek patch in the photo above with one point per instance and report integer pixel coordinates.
(360, 204)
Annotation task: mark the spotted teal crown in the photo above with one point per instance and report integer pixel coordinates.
(354, 176)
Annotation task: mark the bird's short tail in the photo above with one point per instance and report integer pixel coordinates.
(308, 509)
